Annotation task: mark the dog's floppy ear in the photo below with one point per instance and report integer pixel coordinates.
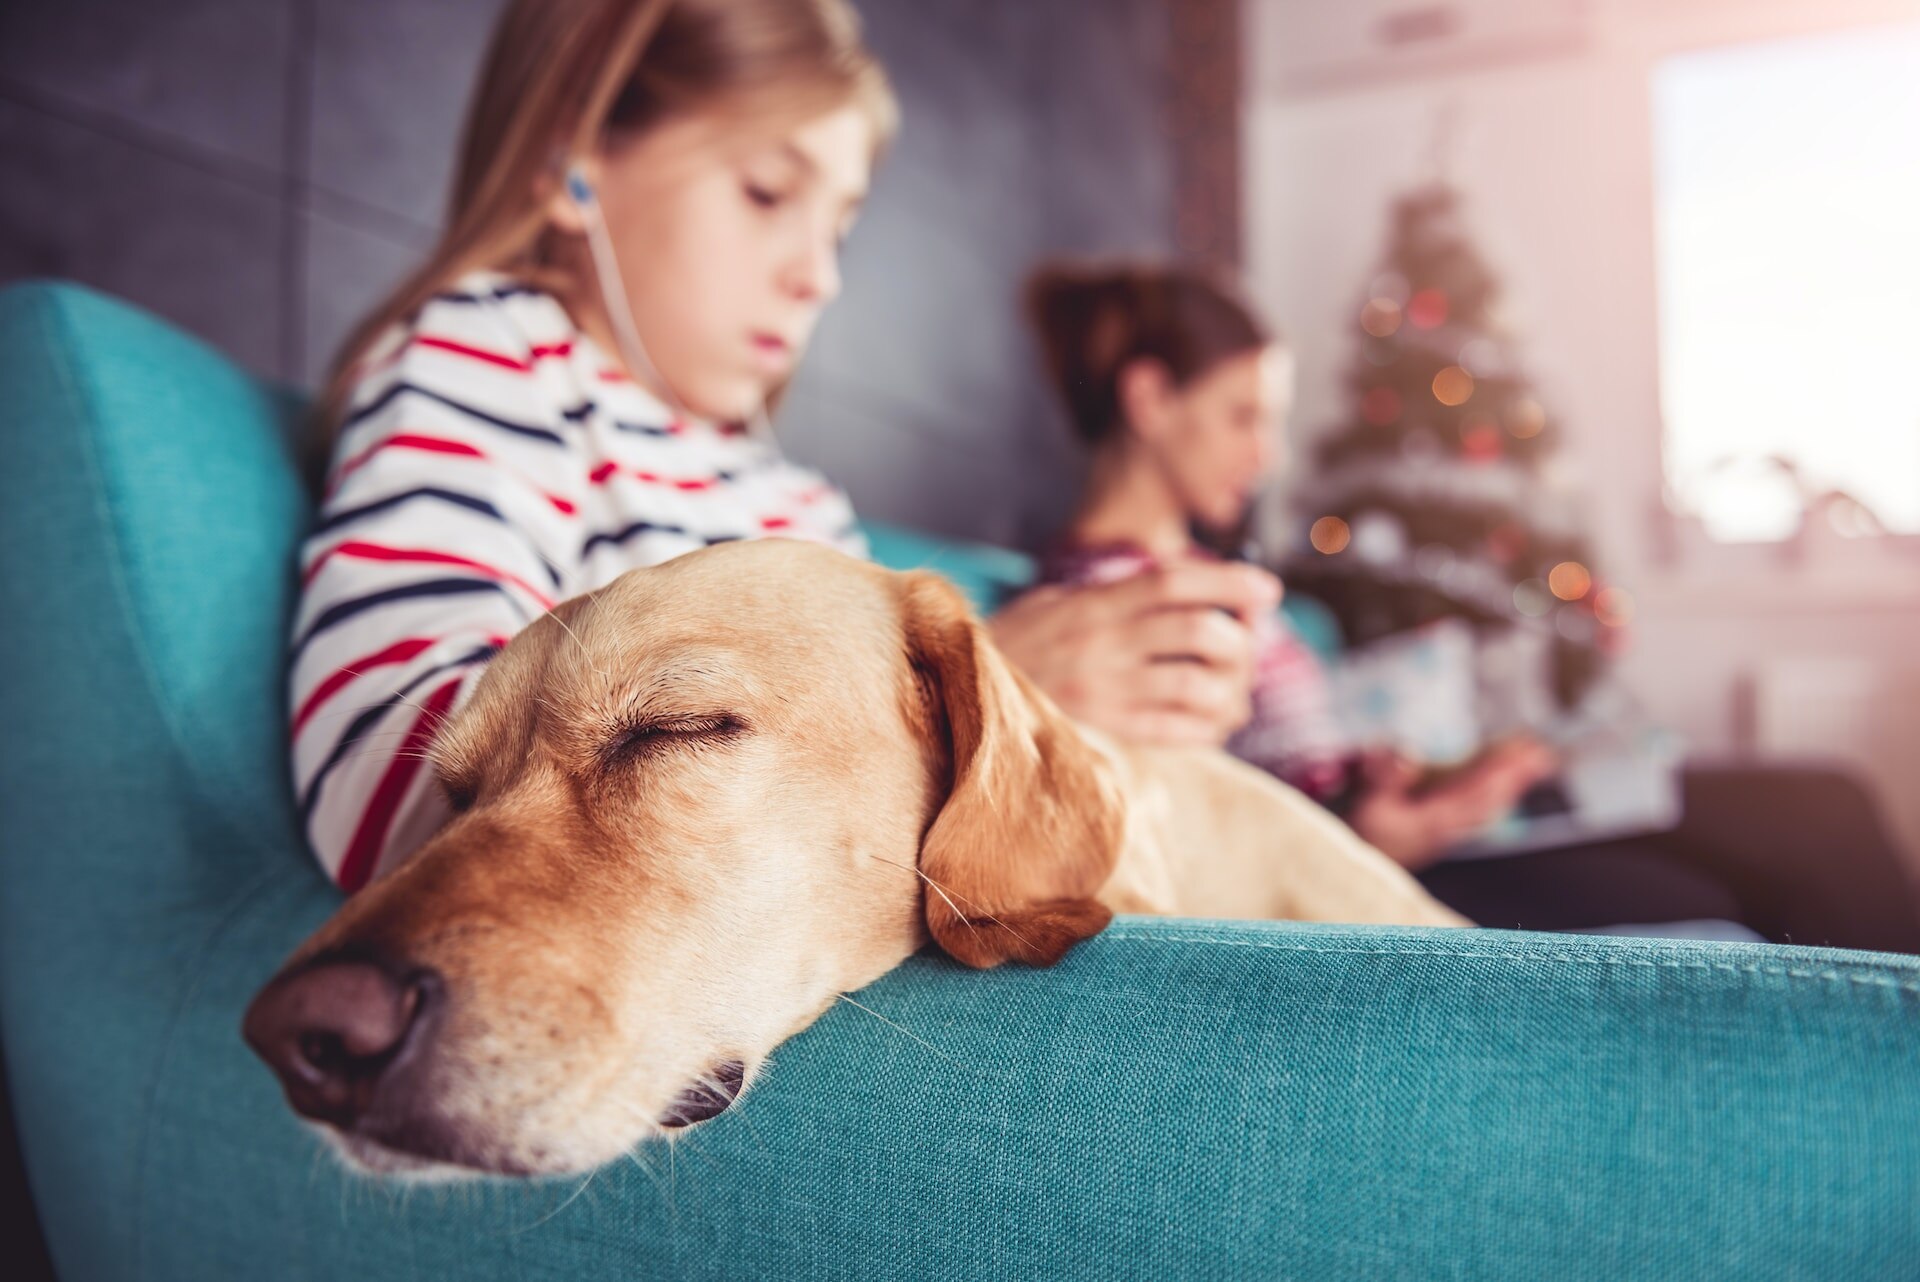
(1031, 826)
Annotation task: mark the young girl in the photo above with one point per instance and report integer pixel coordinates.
(645, 226)
(1180, 393)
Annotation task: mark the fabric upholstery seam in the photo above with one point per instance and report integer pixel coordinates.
(1832, 976)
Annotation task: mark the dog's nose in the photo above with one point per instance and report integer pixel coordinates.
(334, 1030)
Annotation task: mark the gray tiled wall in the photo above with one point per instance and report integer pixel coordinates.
(260, 170)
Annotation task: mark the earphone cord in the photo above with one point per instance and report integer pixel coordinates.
(607, 269)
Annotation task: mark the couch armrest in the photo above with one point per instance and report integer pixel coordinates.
(1175, 1099)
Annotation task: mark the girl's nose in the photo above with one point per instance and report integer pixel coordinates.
(813, 274)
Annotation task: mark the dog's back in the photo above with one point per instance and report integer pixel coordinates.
(1211, 836)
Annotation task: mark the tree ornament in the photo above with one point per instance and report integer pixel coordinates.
(1427, 309)
(1481, 443)
(1526, 418)
(1380, 317)
(1452, 386)
(1569, 581)
(1378, 538)
(1330, 536)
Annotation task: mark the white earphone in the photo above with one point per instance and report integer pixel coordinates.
(607, 270)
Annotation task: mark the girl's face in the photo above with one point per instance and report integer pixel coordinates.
(1217, 439)
(728, 241)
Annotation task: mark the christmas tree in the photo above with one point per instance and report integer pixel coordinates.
(1439, 495)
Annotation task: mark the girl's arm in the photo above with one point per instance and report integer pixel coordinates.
(446, 527)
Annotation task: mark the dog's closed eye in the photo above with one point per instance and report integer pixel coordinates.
(461, 793)
(652, 736)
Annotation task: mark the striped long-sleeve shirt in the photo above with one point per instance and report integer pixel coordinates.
(492, 462)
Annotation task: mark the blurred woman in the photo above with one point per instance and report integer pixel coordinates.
(1180, 394)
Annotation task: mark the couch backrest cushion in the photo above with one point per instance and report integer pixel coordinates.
(155, 510)
(987, 574)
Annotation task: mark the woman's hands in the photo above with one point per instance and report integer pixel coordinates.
(1166, 657)
(1414, 826)
(1163, 657)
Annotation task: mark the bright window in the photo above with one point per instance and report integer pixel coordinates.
(1788, 219)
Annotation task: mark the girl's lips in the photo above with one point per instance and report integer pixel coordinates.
(773, 351)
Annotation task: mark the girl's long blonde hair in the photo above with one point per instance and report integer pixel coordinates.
(564, 77)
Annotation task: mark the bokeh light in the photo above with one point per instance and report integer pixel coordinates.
(1481, 443)
(1378, 537)
(1527, 418)
(1569, 580)
(1531, 598)
(1380, 317)
(1329, 535)
(1613, 607)
(1427, 309)
(1452, 386)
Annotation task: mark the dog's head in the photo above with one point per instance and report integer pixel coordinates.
(691, 808)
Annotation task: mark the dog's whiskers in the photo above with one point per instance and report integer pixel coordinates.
(908, 1032)
(634, 1156)
(377, 749)
(565, 1203)
(376, 736)
(943, 892)
(381, 741)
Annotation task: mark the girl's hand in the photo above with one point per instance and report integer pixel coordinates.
(1164, 657)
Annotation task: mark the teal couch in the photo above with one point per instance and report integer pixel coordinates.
(1176, 1099)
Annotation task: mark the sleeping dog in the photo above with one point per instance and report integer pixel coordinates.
(693, 807)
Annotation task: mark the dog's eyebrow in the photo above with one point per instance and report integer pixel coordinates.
(449, 762)
(702, 682)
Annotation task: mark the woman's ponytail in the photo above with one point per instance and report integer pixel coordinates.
(1094, 320)
(1086, 322)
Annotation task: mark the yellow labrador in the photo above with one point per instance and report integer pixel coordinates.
(696, 805)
